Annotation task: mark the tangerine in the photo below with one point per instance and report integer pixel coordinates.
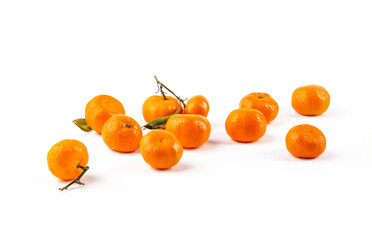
(67, 158)
(197, 105)
(246, 125)
(191, 129)
(262, 102)
(156, 107)
(100, 109)
(310, 100)
(122, 133)
(161, 149)
(305, 141)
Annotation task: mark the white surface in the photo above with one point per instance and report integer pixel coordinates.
(56, 55)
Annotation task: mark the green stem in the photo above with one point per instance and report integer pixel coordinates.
(77, 180)
(161, 86)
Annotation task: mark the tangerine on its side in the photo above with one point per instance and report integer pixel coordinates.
(197, 105)
(262, 102)
(245, 125)
(122, 133)
(65, 157)
(191, 129)
(156, 107)
(311, 100)
(100, 109)
(161, 149)
(305, 141)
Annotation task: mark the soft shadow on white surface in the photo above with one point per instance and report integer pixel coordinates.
(293, 114)
(209, 145)
(180, 167)
(284, 155)
(136, 152)
(267, 138)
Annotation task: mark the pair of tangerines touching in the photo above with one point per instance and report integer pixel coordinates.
(178, 125)
(248, 123)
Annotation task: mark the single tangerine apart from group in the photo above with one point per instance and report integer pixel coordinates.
(310, 100)
(65, 157)
(305, 141)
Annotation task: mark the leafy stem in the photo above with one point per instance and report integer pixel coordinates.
(160, 89)
(77, 180)
(160, 122)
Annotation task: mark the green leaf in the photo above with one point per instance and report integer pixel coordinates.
(160, 122)
(82, 124)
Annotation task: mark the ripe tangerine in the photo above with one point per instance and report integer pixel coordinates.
(122, 133)
(161, 149)
(100, 109)
(245, 125)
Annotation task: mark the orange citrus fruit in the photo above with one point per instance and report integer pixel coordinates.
(100, 109)
(156, 107)
(262, 102)
(197, 105)
(310, 100)
(161, 149)
(305, 141)
(122, 133)
(245, 125)
(65, 157)
(191, 129)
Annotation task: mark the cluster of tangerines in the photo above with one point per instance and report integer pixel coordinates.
(176, 125)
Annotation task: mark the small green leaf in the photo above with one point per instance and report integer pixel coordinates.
(160, 122)
(82, 124)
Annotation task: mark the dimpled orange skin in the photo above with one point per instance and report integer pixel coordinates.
(156, 107)
(197, 105)
(64, 157)
(161, 149)
(122, 133)
(305, 141)
(191, 129)
(245, 125)
(100, 109)
(262, 102)
(311, 100)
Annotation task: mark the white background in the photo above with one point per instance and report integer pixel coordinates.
(57, 55)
